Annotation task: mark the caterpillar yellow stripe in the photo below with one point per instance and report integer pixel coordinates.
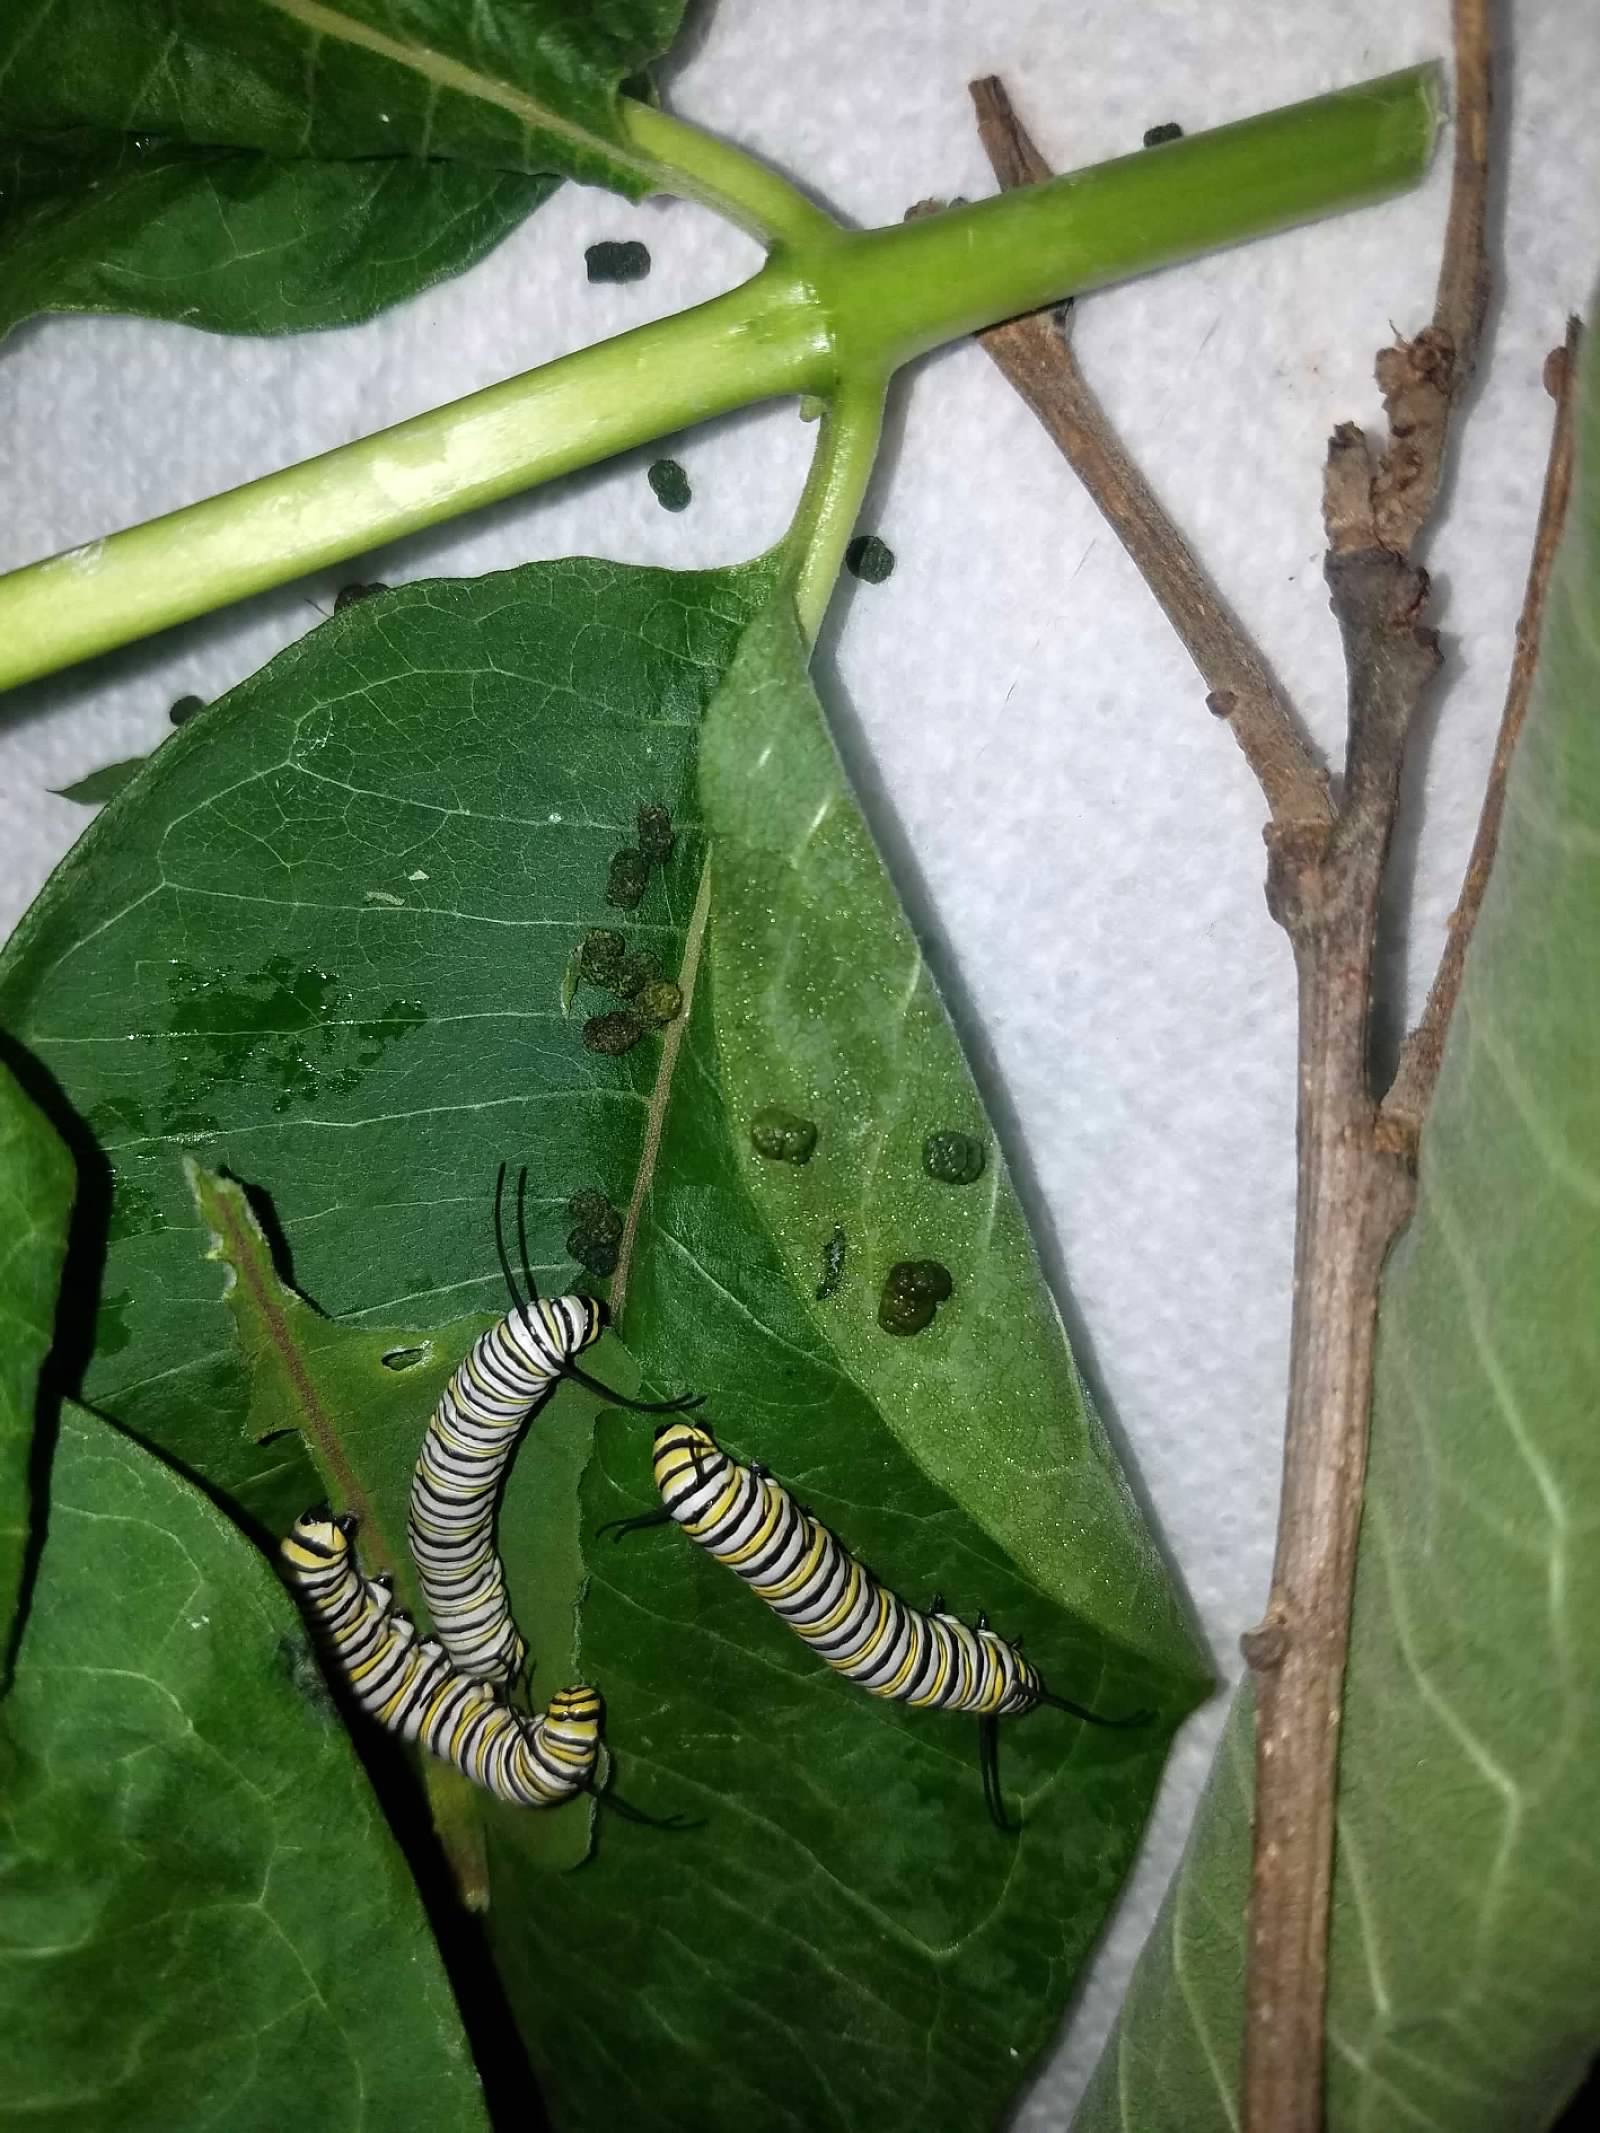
(806, 1575)
(811, 1581)
(507, 1376)
(410, 1685)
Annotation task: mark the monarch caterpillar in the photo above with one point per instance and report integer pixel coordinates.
(811, 1581)
(508, 1374)
(408, 1684)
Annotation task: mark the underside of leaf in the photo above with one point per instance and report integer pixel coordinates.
(298, 163)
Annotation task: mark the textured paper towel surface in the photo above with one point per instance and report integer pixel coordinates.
(1079, 839)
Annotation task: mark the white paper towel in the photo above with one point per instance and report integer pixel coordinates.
(1080, 839)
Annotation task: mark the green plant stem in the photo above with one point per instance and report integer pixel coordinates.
(904, 290)
(700, 167)
(655, 149)
(764, 338)
(831, 307)
(825, 519)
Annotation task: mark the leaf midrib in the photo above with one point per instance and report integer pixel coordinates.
(442, 72)
(693, 946)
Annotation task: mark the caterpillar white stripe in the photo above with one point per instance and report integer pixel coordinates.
(407, 1683)
(507, 1376)
(930, 1659)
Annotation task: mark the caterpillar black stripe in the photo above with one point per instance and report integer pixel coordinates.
(508, 1375)
(407, 1683)
(811, 1581)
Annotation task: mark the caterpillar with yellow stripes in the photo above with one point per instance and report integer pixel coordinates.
(931, 1660)
(408, 1684)
(506, 1378)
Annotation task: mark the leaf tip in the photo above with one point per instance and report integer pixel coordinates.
(224, 1209)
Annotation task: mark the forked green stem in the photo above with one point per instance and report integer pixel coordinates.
(830, 308)
(700, 167)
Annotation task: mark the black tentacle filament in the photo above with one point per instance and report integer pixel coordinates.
(523, 1303)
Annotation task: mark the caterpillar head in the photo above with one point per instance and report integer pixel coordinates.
(682, 1434)
(575, 1716)
(317, 1538)
(684, 1458)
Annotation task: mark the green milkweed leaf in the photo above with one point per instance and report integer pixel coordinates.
(36, 1188)
(1464, 1991)
(301, 163)
(365, 1011)
(235, 241)
(890, 1958)
(341, 937)
(203, 1920)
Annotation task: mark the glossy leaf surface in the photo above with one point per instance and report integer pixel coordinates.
(339, 920)
(368, 1008)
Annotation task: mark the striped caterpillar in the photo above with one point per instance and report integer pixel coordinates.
(811, 1581)
(408, 1684)
(507, 1376)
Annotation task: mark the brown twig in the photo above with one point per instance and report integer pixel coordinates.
(1352, 1199)
(1405, 1106)
(1421, 380)
(1038, 361)
(1354, 1193)
(1324, 876)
